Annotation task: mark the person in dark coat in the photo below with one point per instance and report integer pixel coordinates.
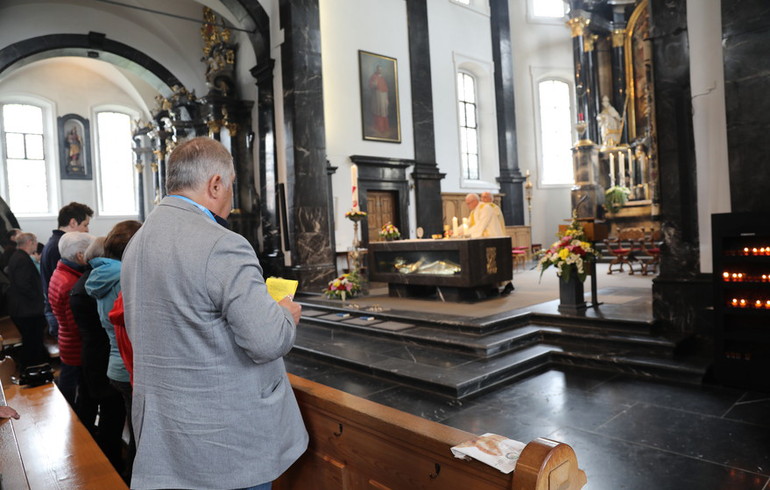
(25, 301)
(94, 357)
(72, 217)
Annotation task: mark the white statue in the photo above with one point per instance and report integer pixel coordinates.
(610, 124)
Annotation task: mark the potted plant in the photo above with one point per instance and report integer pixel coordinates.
(615, 198)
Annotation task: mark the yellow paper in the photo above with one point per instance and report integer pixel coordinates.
(279, 288)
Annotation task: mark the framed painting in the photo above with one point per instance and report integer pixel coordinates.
(74, 147)
(378, 77)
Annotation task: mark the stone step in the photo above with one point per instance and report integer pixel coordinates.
(453, 374)
(485, 344)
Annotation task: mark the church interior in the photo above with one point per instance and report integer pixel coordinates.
(359, 127)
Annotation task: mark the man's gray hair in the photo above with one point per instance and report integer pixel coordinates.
(74, 242)
(96, 249)
(24, 238)
(194, 162)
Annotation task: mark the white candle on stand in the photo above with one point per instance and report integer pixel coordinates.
(455, 226)
(622, 170)
(631, 168)
(354, 184)
(612, 169)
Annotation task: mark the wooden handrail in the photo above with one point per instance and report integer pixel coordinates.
(367, 445)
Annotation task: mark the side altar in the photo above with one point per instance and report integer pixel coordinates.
(452, 269)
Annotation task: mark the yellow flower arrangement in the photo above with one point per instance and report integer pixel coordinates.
(389, 232)
(571, 254)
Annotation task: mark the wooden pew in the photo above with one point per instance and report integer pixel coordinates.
(48, 447)
(357, 444)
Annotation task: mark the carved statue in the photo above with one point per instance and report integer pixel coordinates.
(610, 124)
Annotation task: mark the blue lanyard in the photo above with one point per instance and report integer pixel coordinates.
(202, 208)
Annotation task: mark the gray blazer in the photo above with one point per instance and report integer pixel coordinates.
(212, 405)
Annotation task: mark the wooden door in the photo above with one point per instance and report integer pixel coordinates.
(381, 208)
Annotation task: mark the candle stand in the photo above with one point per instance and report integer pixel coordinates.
(355, 255)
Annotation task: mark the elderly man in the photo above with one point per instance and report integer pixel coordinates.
(212, 406)
(72, 248)
(25, 300)
(486, 220)
(72, 217)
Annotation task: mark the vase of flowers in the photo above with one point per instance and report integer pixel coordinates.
(572, 256)
(343, 287)
(389, 232)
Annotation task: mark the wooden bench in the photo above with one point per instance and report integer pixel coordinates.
(357, 444)
(48, 447)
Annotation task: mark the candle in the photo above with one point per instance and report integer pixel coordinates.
(631, 166)
(455, 226)
(612, 169)
(354, 184)
(758, 304)
(735, 302)
(726, 276)
(465, 226)
(622, 170)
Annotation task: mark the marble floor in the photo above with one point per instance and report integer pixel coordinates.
(627, 432)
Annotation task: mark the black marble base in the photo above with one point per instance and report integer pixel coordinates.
(443, 293)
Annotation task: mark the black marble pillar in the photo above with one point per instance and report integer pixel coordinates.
(578, 24)
(618, 61)
(510, 179)
(746, 35)
(307, 200)
(426, 175)
(592, 77)
(681, 294)
(270, 253)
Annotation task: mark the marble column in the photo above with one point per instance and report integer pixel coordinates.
(307, 200)
(745, 35)
(270, 253)
(510, 179)
(681, 295)
(618, 60)
(578, 25)
(426, 175)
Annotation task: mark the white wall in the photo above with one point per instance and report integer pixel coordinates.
(460, 38)
(377, 26)
(704, 27)
(537, 46)
(74, 86)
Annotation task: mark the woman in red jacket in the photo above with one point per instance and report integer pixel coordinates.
(70, 267)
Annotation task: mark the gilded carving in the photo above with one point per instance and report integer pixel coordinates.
(491, 260)
(618, 38)
(578, 25)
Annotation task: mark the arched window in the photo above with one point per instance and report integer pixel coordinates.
(469, 128)
(117, 194)
(26, 180)
(555, 132)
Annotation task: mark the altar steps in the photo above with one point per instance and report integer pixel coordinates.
(462, 358)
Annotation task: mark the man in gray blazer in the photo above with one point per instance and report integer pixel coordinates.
(212, 404)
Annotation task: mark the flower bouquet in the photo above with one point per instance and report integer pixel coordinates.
(571, 254)
(355, 215)
(389, 232)
(345, 286)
